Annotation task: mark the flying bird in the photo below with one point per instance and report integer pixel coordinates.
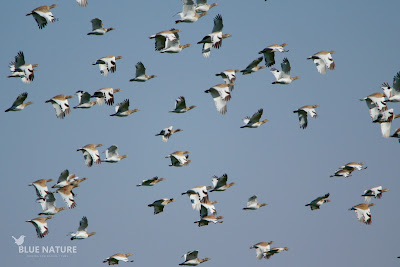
(91, 154)
(84, 100)
(48, 204)
(122, 109)
(209, 219)
(112, 155)
(385, 119)
(114, 259)
(254, 121)
(269, 53)
(160, 204)
(374, 192)
(19, 104)
(261, 248)
(323, 60)
(392, 93)
(363, 212)
(105, 95)
(252, 204)
(151, 182)
(98, 27)
(220, 94)
(82, 232)
(220, 183)
(353, 166)
(303, 112)
(316, 203)
(67, 179)
(343, 173)
(171, 45)
(375, 103)
(252, 67)
(180, 106)
(40, 224)
(141, 75)
(19, 69)
(191, 259)
(42, 15)
(188, 13)
(107, 64)
(60, 105)
(179, 158)
(283, 76)
(203, 6)
(167, 132)
(268, 254)
(162, 37)
(41, 187)
(229, 77)
(67, 195)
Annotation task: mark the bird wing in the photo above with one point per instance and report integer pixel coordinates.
(214, 181)
(85, 98)
(41, 21)
(201, 2)
(59, 112)
(88, 158)
(180, 103)
(285, 67)
(254, 63)
(112, 152)
(191, 255)
(396, 84)
(303, 119)
(83, 224)
(140, 69)
(19, 59)
(96, 24)
(220, 103)
(252, 201)
(218, 25)
(188, 9)
(68, 199)
(269, 57)
(320, 64)
(195, 200)
(256, 116)
(160, 42)
(385, 129)
(103, 69)
(123, 106)
(203, 211)
(222, 180)
(20, 99)
(206, 50)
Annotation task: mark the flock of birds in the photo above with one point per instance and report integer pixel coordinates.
(168, 42)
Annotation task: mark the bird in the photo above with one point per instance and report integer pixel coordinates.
(19, 69)
(252, 204)
(303, 112)
(396, 134)
(84, 100)
(188, 13)
(98, 27)
(48, 204)
(392, 94)
(374, 192)
(220, 94)
(91, 154)
(179, 158)
(191, 259)
(141, 75)
(283, 77)
(261, 248)
(42, 15)
(316, 203)
(197, 195)
(254, 121)
(160, 204)
(114, 259)
(203, 6)
(60, 105)
(209, 219)
(214, 39)
(122, 109)
(41, 187)
(66, 179)
(67, 195)
(219, 183)
(353, 165)
(375, 103)
(151, 181)
(252, 67)
(385, 119)
(269, 53)
(167, 132)
(323, 60)
(180, 106)
(229, 77)
(363, 212)
(171, 45)
(19, 241)
(19, 104)
(82, 232)
(112, 155)
(343, 173)
(40, 224)
(273, 251)
(105, 95)
(162, 37)
(107, 64)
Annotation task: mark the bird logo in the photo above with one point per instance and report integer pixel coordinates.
(19, 241)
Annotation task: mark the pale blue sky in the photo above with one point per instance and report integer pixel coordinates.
(283, 165)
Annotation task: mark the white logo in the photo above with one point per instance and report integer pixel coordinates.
(19, 241)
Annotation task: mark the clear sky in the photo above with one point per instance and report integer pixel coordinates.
(285, 166)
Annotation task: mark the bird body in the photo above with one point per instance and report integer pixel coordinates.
(98, 27)
(167, 132)
(41, 187)
(19, 69)
(191, 259)
(343, 173)
(42, 15)
(107, 64)
(60, 105)
(151, 182)
(160, 204)
(283, 76)
(252, 67)
(122, 109)
(220, 94)
(374, 192)
(105, 95)
(220, 183)
(209, 219)
(179, 158)
(114, 259)
(303, 112)
(112, 155)
(84, 100)
(316, 203)
(254, 121)
(180, 106)
(141, 75)
(261, 248)
(269, 53)
(40, 224)
(323, 60)
(363, 212)
(91, 154)
(67, 195)
(48, 204)
(82, 232)
(252, 204)
(188, 14)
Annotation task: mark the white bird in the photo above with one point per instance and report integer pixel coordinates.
(375, 103)
(261, 248)
(283, 77)
(268, 254)
(385, 119)
(48, 204)
(220, 183)
(84, 100)
(323, 60)
(303, 112)
(254, 121)
(374, 192)
(122, 109)
(160, 204)
(188, 13)
(98, 27)
(60, 105)
(82, 232)
(269, 53)
(141, 75)
(208, 208)
(252, 67)
(66, 179)
(19, 104)
(353, 165)
(316, 203)
(180, 105)
(19, 69)
(203, 6)
(41, 187)
(91, 154)
(19, 241)
(179, 158)
(343, 173)
(220, 94)
(112, 155)
(162, 37)
(191, 259)
(114, 259)
(40, 224)
(392, 94)
(107, 64)
(197, 196)
(363, 212)
(42, 15)
(252, 204)
(105, 95)
(214, 39)
(167, 132)
(171, 45)
(209, 219)
(67, 195)
(229, 77)
(151, 182)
